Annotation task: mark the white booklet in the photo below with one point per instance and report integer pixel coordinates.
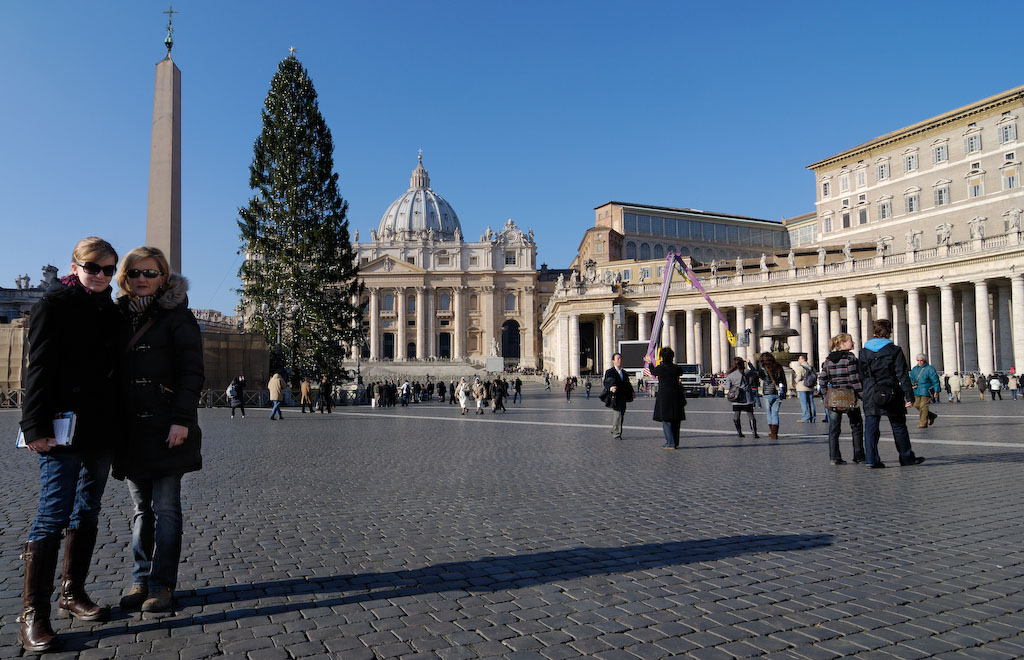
(63, 429)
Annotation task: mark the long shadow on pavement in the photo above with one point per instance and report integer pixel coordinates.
(481, 575)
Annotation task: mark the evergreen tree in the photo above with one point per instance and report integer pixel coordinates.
(299, 274)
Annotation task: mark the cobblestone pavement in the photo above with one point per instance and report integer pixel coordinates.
(417, 533)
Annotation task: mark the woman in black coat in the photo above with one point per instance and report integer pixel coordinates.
(670, 401)
(73, 338)
(164, 374)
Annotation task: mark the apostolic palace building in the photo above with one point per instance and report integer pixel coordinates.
(921, 226)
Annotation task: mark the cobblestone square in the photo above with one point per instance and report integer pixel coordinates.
(419, 533)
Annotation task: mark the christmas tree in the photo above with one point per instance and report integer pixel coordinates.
(299, 273)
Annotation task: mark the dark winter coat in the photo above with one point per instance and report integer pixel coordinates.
(670, 401)
(74, 340)
(623, 390)
(882, 364)
(841, 371)
(239, 398)
(164, 376)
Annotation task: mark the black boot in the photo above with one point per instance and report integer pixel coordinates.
(77, 558)
(739, 428)
(753, 427)
(35, 633)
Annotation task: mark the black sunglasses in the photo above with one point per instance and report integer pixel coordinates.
(94, 268)
(149, 273)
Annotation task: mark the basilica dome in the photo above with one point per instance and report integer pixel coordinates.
(420, 209)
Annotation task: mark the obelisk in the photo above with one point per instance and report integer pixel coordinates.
(163, 212)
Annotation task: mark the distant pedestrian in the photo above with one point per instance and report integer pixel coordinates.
(841, 372)
(479, 394)
(738, 392)
(547, 382)
(236, 395)
(887, 391)
(1013, 383)
(956, 384)
(440, 391)
(618, 391)
(805, 379)
(325, 400)
(996, 386)
(463, 394)
(517, 390)
(276, 387)
(498, 396)
(925, 382)
(568, 388)
(773, 388)
(305, 395)
(587, 388)
(670, 401)
(982, 384)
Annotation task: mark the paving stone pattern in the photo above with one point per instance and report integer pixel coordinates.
(418, 533)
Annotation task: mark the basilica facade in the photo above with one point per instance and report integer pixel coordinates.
(431, 294)
(921, 226)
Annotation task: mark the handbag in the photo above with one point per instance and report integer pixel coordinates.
(840, 400)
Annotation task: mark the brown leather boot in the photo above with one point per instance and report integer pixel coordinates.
(773, 431)
(73, 600)
(35, 633)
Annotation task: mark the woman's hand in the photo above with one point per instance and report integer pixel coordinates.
(177, 435)
(42, 445)
(648, 360)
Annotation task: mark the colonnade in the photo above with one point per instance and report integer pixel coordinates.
(960, 326)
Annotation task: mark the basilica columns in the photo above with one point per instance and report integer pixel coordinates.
(986, 364)
(795, 343)
(969, 328)
(853, 320)
(948, 330)
(574, 345)
(643, 333)
(421, 322)
(914, 323)
(806, 345)
(882, 300)
(824, 333)
(374, 324)
(1017, 303)
(741, 323)
(608, 335)
(666, 331)
(766, 322)
(691, 351)
(716, 345)
(459, 350)
(400, 330)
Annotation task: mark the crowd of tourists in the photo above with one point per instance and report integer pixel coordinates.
(126, 376)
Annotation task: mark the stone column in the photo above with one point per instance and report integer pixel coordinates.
(421, 322)
(766, 322)
(428, 331)
(459, 343)
(698, 335)
(400, 330)
(901, 335)
(691, 351)
(853, 320)
(914, 347)
(948, 364)
(666, 332)
(643, 333)
(574, 345)
(608, 339)
(1004, 350)
(163, 208)
(716, 344)
(487, 300)
(795, 343)
(528, 334)
(806, 345)
(751, 351)
(970, 329)
(882, 300)
(741, 323)
(934, 350)
(835, 322)
(374, 324)
(865, 322)
(1017, 313)
(986, 364)
(723, 343)
(824, 334)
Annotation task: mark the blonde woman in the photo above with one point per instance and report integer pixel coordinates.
(164, 374)
(74, 344)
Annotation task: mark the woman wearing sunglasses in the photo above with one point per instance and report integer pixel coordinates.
(163, 372)
(74, 337)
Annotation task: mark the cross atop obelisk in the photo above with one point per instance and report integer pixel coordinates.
(163, 211)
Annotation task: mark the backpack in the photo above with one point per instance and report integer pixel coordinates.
(231, 391)
(810, 378)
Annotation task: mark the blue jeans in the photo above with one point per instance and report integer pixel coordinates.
(276, 409)
(898, 423)
(806, 405)
(156, 531)
(71, 487)
(772, 403)
(671, 430)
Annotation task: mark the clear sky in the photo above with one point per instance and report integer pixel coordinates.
(532, 110)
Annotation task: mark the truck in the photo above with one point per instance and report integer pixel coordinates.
(691, 380)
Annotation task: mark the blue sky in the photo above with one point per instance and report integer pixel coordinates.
(536, 111)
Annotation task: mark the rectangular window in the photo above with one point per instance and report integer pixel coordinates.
(670, 227)
(656, 225)
(755, 237)
(826, 225)
(721, 233)
(844, 183)
(708, 231)
(1007, 133)
(734, 235)
(825, 191)
(862, 178)
(411, 260)
(444, 260)
(643, 224)
(884, 210)
(629, 222)
(846, 220)
(882, 171)
(473, 261)
(942, 196)
(683, 228)
(627, 275)
(510, 258)
(744, 235)
(910, 162)
(972, 143)
(975, 188)
(940, 153)
(645, 273)
(913, 203)
(862, 217)
(1011, 178)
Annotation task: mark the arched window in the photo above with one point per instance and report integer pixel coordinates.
(510, 302)
(388, 304)
(630, 250)
(684, 251)
(645, 251)
(446, 302)
(672, 248)
(659, 251)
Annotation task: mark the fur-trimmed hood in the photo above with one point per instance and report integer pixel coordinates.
(174, 293)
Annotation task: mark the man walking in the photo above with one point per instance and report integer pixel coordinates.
(618, 391)
(276, 387)
(517, 391)
(802, 375)
(887, 391)
(925, 382)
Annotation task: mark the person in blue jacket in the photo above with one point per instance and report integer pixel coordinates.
(925, 382)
